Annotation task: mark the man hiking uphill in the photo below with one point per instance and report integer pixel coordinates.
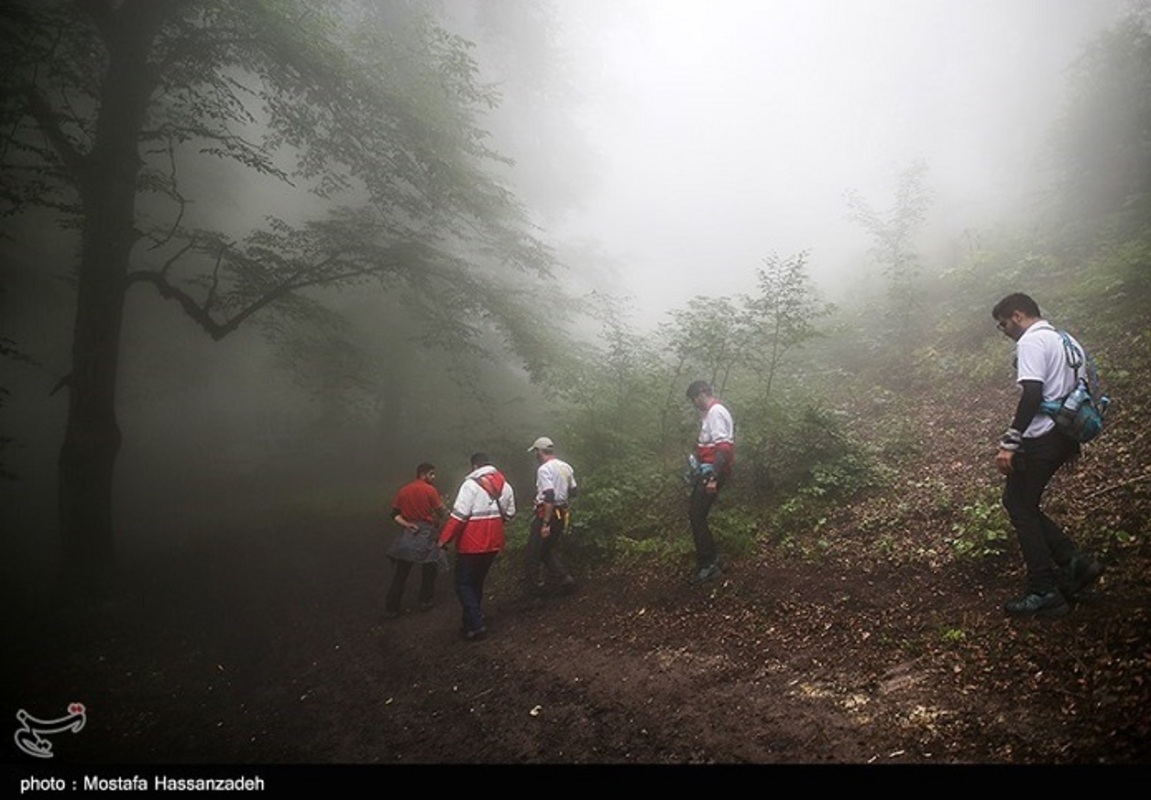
(1030, 453)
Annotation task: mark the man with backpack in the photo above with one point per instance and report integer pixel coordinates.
(1030, 453)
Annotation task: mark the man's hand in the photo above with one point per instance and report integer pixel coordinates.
(1003, 461)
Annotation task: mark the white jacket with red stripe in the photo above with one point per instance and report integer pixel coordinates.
(476, 522)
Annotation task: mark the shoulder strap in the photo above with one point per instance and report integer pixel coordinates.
(1073, 354)
(490, 490)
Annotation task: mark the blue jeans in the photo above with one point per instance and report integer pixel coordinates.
(1045, 547)
(471, 571)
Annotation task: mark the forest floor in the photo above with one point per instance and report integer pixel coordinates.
(265, 643)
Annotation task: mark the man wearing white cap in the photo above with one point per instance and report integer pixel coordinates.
(555, 487)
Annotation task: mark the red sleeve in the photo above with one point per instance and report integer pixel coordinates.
(452, 528)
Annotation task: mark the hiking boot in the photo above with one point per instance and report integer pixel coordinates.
(476, 635)
(1080, 574)
(567, 585)
(1035, 604)
(708, 573)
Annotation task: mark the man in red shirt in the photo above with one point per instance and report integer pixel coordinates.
(418, 509)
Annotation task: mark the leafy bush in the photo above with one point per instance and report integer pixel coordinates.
(736, 529)
(982, 529)
(630, 505)
(804, 448)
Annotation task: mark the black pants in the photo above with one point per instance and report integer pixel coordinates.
(698, 509)
(1045, 547)
(396, 590)
(545, 551)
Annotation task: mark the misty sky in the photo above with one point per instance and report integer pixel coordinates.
(726, 130)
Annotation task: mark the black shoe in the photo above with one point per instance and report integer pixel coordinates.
(476, 635)
(1080, 574)
(1047, 604)
(567, 585)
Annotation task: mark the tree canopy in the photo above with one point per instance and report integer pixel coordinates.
(135, 121)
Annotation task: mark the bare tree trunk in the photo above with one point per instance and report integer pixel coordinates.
(107, 179)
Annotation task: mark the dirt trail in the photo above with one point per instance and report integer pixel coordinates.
(272, 649)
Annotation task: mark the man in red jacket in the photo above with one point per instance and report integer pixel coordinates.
(484, 502)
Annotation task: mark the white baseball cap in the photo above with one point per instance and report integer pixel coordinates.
(542, 443)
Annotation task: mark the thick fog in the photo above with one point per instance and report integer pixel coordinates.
(723, 131)
(665, 147)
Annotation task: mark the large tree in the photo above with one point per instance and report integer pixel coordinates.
(110, 109)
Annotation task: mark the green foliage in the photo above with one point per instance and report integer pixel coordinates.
(781, 316)
(632, 505)
(982, 528)
(736, 528)
(802, 447)
(707, 338)
(800, 517)
(370, 107)
(952, 635)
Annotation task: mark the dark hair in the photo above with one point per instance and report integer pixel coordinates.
(1015, 302)
(697, 388)
(480, 460)
(424, 468)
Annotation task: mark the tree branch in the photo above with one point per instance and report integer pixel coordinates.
(1120, 485)
(41, 111)
(201, 314)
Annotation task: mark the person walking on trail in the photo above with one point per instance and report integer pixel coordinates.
(484, 502)
(1030, 453)
(418, 510)
(555, 488)
(714, 458)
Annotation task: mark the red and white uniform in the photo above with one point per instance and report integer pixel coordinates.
(716, 435)
(476, 522)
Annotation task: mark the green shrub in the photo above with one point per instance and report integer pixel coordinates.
(982, 529)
